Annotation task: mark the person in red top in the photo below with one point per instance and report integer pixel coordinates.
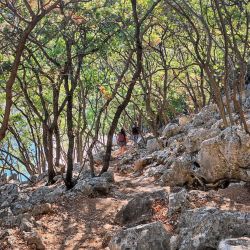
(122, 141)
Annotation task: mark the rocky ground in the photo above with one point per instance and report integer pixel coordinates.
(191, 193)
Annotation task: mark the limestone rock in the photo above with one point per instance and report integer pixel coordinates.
(179, 173)
(242, 243)
(144, 237)
(8, 194)
(43, 208)
(140, 164)
(139, 209)
(170, 130)
(203, 228)
(33, 238)
(93, 186)
(196, 136)
(225, 156)
(177, 201)
(153, 145)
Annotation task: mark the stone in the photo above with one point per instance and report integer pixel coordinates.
(242, 243)
(140, 164)
(139, 209)
(26, 225)
(204, 228)
(8, 194)
(196, 136)
(170, 130)
(151, 236)
(153, 145)
(43, 208)
(33, 238)
(93, 186)
(226, 156)
(206, 117)
(184, 120)
(177, 201)
(180, 172)
(109, 176)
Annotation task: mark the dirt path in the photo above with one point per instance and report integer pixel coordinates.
(79, 222)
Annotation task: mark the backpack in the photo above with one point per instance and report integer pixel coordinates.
(121, 137)
(135, 130)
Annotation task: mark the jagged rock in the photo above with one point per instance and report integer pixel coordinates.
(139, 209)
(179, 173)
(93, 186)
(153, 145)
(177, 201)
(184, 120)
(226, 156)
(39, 209)
(156, 171)
(8, 194)
(109, 176)
(140, 164)
(196, 136)
(203, 228)
(170, 130)
(150, 236)
(26, 225)
(33, 238)
(206, 117)
(242, 243)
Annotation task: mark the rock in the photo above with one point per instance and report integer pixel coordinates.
(38, 195)
(139, 209)
(144, 237)
(180, 172)
(174, 242)
(177, 201)
(170, 130)
(93, 186)
(4, 233)
(157, 171)
(184, 120)
(226, 156)
(140, 164)
(196, 136)
(26, 225)
(8, 194)
(153, 145)
(206, 117)
(33, 238)
(109, 176)
(247, 103)
(203, 228)
(43, 208)
(242, 243)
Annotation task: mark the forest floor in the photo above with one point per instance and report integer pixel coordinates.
(80, 222)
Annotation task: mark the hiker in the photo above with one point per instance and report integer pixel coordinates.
(122, 141)
(135, 133)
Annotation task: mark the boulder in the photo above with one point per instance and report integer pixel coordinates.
(206, 117)
(43, 208)
(184, 120)
(196, 136)
(140, 164)
(8, 194)
(143, 237)
(33, 238)
(226, 156)
(153, 145)
(242, 243)
(177, 201)
(170, 130)
(109, 176)
(93, 186)
(204, 228)
(180, 172)
(140, 208)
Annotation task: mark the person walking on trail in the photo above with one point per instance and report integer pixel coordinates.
(135, 133)
(122, 141)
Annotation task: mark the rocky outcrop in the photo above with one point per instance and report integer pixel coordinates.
(170, 130)
(225, 156)
(140, 208)
(203, 228)
(150, 236)
(242, 243)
